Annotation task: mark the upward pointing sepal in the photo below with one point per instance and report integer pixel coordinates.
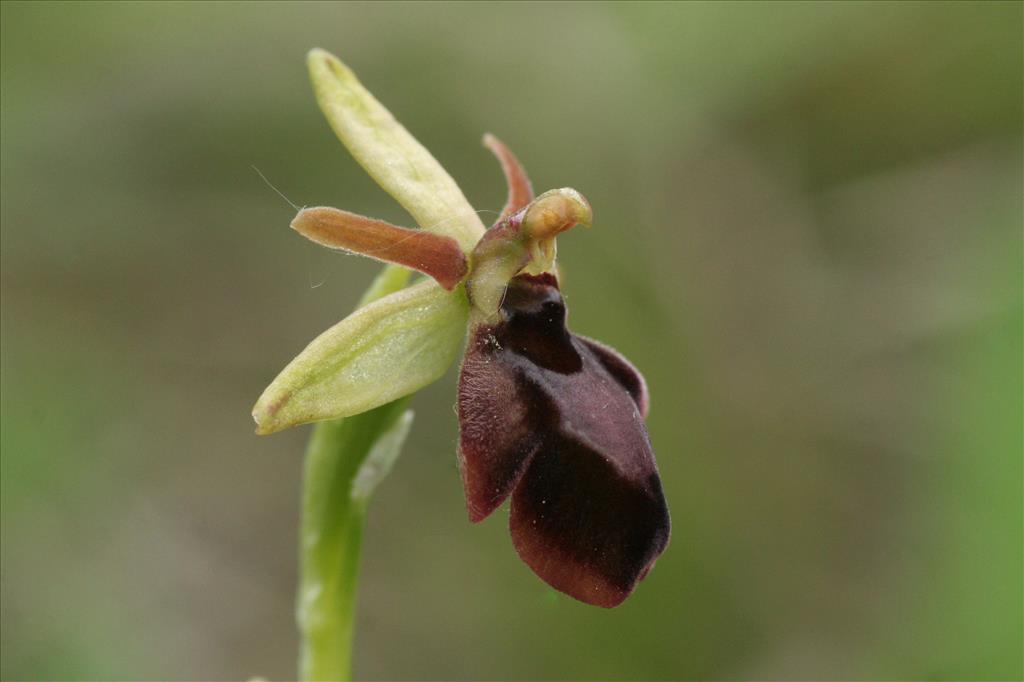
(392, 157)
(520, 191)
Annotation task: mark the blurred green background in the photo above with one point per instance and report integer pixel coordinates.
(808, 235)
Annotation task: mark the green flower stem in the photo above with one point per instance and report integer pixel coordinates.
(331, 537)
(345, 460)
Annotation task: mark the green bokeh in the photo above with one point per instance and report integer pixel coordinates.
(808, 235)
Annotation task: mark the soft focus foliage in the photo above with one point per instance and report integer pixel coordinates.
(807, 235)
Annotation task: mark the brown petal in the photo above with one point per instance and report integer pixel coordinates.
(432, 254)
(520, 193)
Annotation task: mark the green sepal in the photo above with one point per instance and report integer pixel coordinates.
(381, 352)
(391, 156)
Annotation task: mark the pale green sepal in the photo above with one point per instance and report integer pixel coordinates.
(383, 351)
(380, 459)
(392, 156)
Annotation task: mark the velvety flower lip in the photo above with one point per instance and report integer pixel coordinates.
(557, 422)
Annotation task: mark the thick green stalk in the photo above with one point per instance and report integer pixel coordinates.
(345, 459)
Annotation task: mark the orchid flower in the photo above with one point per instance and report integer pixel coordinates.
(551, 419)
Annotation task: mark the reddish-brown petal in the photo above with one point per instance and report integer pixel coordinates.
(432, 254)
(520, 193)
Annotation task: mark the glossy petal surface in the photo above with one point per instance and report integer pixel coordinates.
(584, 526)
(558, 420)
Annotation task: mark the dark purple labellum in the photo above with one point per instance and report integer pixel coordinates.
(557, 421)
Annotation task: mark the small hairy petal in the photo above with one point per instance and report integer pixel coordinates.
(432, 254)
(392, 157)
(381, 352)
(557, 421)
(520, 192)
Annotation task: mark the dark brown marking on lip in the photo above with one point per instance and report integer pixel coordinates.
(556, 421)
